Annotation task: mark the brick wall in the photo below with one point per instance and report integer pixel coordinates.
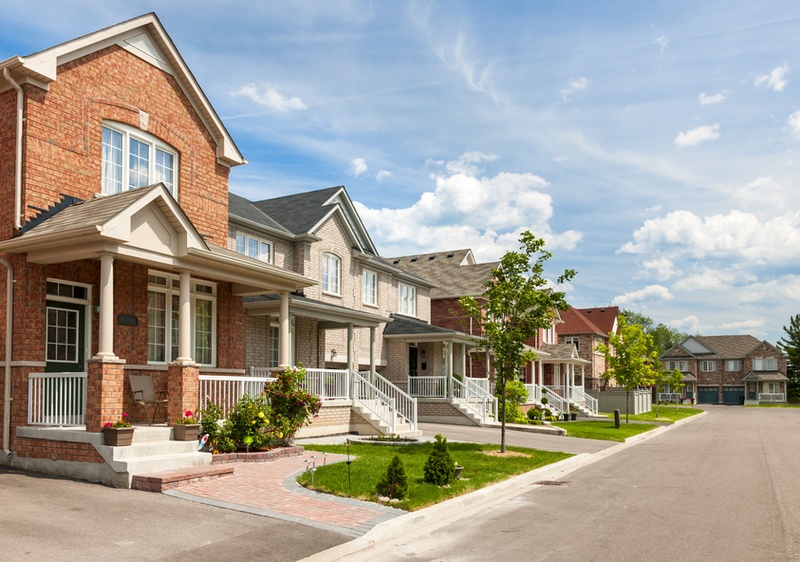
(56, 450)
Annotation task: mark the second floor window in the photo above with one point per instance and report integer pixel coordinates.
(370, 288)
(132, 158)
(682, 366)
(707, 366)
(765, 364)
(406, 299)
(574, 341)
(331, 274)
(254, 247)
(733, 365)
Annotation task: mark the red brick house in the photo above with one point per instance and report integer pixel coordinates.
(729, 369)
(114, 179)
(585, 328)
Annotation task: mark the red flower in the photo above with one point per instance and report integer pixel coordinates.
(188, 413)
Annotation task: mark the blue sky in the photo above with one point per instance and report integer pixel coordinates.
(654, 145)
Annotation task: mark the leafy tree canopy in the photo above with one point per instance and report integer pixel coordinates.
(790, 345)
(664, 337)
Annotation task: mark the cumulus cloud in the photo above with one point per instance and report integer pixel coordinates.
(357, 167)
(775, 80)
(762, 196)
(382, 175)
(271, 98)
(649, 293)
(736, 235)
(690, 324)
(745, 326)
(575, 85)
(697, 135)
(708, 99)
(468, 209)
(662, 268)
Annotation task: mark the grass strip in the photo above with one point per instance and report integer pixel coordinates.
(604, 430)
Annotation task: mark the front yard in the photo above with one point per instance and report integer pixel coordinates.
(481, 468)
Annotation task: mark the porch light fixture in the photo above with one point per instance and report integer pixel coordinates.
(333, 354)
(423, 354)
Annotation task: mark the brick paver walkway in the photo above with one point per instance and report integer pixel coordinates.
(269, 488)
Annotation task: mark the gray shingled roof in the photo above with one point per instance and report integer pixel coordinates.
(299, 213)
(244, 208)
(405, 325)
(729, 347)
(444, 270)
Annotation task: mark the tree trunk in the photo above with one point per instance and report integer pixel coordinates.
(627, 404)
(503, 418)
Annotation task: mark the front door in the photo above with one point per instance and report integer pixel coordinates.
(63, 397)
(412, 361)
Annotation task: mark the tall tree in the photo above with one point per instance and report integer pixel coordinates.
(664, 337)
(516, 304)
(790, 345)
(631, 358)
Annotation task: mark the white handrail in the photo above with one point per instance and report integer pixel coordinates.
(406, 405)
(328, 384)
(57, 399)
(771, 397)
(578, 396)
(427, 387)
(555, 402)
(475, 399)
(371, 398)
(226, 390)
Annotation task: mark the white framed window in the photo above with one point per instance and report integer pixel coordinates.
(574, 340)
(163, 325)
(406, 299)
(765, 364)
(682, 366)
(369, 283)
(254, 247)
(133, 158)
(733, 364)
(707, 366)
(274, 342)
(331, 274)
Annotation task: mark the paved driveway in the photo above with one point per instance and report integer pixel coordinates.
(722, 487)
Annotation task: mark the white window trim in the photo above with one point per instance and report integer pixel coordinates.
(246, 238)
(576, 341)
(327, 259)
(365, 289)
(170, 289)
(711, 364)
(406, 299)
(153, 142)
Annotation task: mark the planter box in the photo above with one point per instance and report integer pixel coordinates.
(186, 432)
(118, 436)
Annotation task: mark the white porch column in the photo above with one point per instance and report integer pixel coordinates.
(541, 372)
(449, 358)
(283, 348)
(106, 324)
(464, 360)
(350, 347)
(372, 346)
(185, 319)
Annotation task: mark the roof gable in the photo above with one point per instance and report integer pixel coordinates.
(454, 272)
(145, 38)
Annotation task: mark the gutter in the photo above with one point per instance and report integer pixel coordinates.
(7, 385)
(18, 162)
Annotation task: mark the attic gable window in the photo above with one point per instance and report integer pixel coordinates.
(406, 299)
(331, 274)
(133, 158)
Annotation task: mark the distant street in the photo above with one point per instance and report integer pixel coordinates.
(723, 487)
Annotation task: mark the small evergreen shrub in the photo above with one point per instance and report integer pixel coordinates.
(394, 483)
(439, 468)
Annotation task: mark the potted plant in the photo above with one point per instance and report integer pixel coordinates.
(186, 427)
(573, 413)
(118, 433)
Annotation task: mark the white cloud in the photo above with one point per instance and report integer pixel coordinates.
(575, 85)
(762, 196)
(662, 43)
(745, 326)
(357, 167)
(775, 80)
(794, 122)
(649, 293)
(661, 268)
(469, 210)
(382, 175)
(271, 98)
(697, 135)
(689, 324)
(708, 99)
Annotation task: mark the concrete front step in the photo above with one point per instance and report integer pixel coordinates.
(153, 449)
(159, 463)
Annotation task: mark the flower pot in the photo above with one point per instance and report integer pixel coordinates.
(118, 436)
(573, 416)
(186, 431)
(565, 416)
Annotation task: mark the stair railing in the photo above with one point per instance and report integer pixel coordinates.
(372, 399)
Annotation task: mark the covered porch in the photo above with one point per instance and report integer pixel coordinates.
(761, 387)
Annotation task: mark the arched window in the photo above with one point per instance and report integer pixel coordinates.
(133, 158)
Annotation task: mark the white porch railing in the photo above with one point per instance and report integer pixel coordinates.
(475, 399)
(370, 397)
(427, 387)
(579, 398)
(669, 396)
(483, 384)
(328, 384)
(555, 402)
(225, 391)
(771, 397)
(534, 394)
(57, 399)
(406, 405)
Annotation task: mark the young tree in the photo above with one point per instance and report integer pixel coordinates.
(631, 358)
(790, 345)
(675, 381)
(516, 304)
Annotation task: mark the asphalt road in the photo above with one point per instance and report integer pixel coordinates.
(722, 487)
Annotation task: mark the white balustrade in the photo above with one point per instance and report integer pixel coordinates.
(427, 387)
(406, 404)
(57, 399)
(225, 391)
(476, 399)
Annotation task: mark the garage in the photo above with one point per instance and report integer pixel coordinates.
(707, 394)
(733, 395)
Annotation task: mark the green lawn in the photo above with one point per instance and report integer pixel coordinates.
(370, 462)
(604, 430)
(666, 414)
(778, 405)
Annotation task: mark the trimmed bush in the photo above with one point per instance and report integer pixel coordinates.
(394, 483)
(439, 468)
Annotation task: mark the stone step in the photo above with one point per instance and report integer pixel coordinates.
(144, 449)
(159, 463)
(151, 433)
(168, 479)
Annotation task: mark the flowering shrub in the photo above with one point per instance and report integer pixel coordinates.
(291, 405)
(119, 423)
(187, 418)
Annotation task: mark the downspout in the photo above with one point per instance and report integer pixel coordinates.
(18, 164)
(7, 385)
